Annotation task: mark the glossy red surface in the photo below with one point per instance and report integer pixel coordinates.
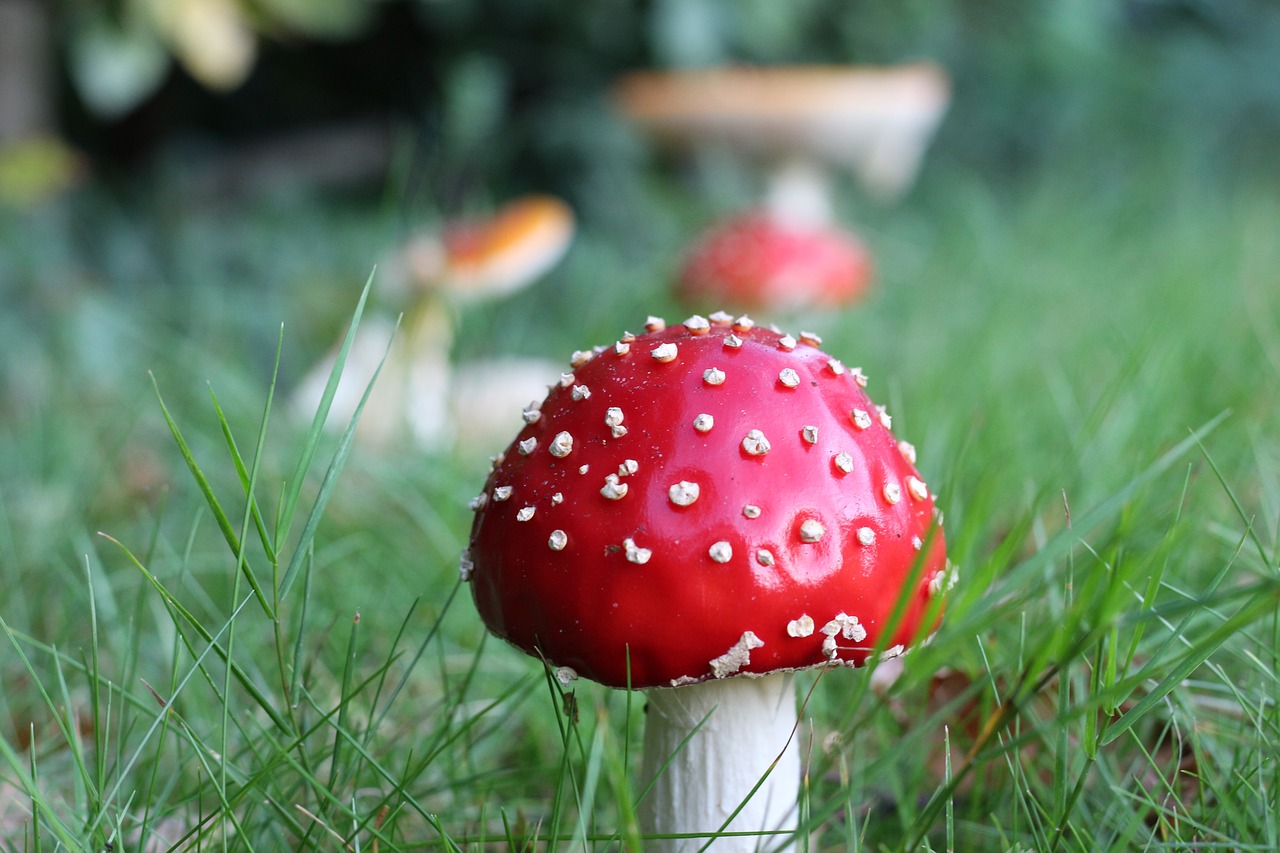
(757, 263)
(588, 606)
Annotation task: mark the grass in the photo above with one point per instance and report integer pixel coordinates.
(225, 629)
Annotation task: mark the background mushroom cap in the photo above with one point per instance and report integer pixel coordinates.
(491, 257)
(876, 121)
(755, 262)
(654, 589)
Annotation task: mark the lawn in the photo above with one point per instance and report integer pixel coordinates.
(1085, 356)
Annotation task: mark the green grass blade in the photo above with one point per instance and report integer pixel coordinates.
(316, 431)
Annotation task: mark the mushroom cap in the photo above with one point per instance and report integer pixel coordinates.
(874, 120)
(756, 261)
(493, 257)
(701, 502)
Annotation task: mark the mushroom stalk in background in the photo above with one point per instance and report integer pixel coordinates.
(801, 121)
(699, 511)
(418, 394)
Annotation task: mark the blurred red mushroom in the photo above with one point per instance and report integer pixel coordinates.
(760, 262)
(800, 121)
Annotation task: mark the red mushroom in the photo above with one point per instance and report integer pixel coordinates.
(701, 510)
(759, 261)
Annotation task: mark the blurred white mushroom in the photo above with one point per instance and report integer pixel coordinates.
(494, 257)
(801, 121)
(875, 121)
(485, 397)
(466, 262)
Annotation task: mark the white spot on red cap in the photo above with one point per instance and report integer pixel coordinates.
(789, 377)
(527, 446)
(738, 656)
(566, 379)
(566, 675)
(893, 652)
(501, 493)
(580, 392)
(478, 502)
(613, 420)
(743, 324)
(664, 352)
(584, 469)
(634, 553)
(562, 445)
(721, 552)
(614, 489)
(892, 492)
(917, 543)
(810, 339)
(721, 318)
(856, 374)
(866, 536)
(654, 324)
(732, 341)
(916, 488)
(751, 511)
(755, 443)
(557, 540)
(557, 499)
(764, 557)
(811, 530)
(525, 513)
(622, 348)
(684, 493)
(801, 626)
(628, 467)
(787, 342)
(835, 366)
(908, 451)
(944, 579)
(846, 626)
(704, 422)
(531, 413)
(581, 357)
(465, 566)
(809, 433)
(860, 418)
(843, 461)
(713, 376)
(697, 324)
(884, 417)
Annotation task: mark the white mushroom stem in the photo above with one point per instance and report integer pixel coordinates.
(799, 194)
(747, 724)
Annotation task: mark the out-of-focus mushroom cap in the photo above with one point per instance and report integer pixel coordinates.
(876, 121)
(755, 262)
(510, 250)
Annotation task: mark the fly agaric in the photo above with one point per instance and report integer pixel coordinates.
(701, 510)
(875, 121)
(496, 255)
(760, 261)
(468, 260)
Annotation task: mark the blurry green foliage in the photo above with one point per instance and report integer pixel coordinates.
(511, 93)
